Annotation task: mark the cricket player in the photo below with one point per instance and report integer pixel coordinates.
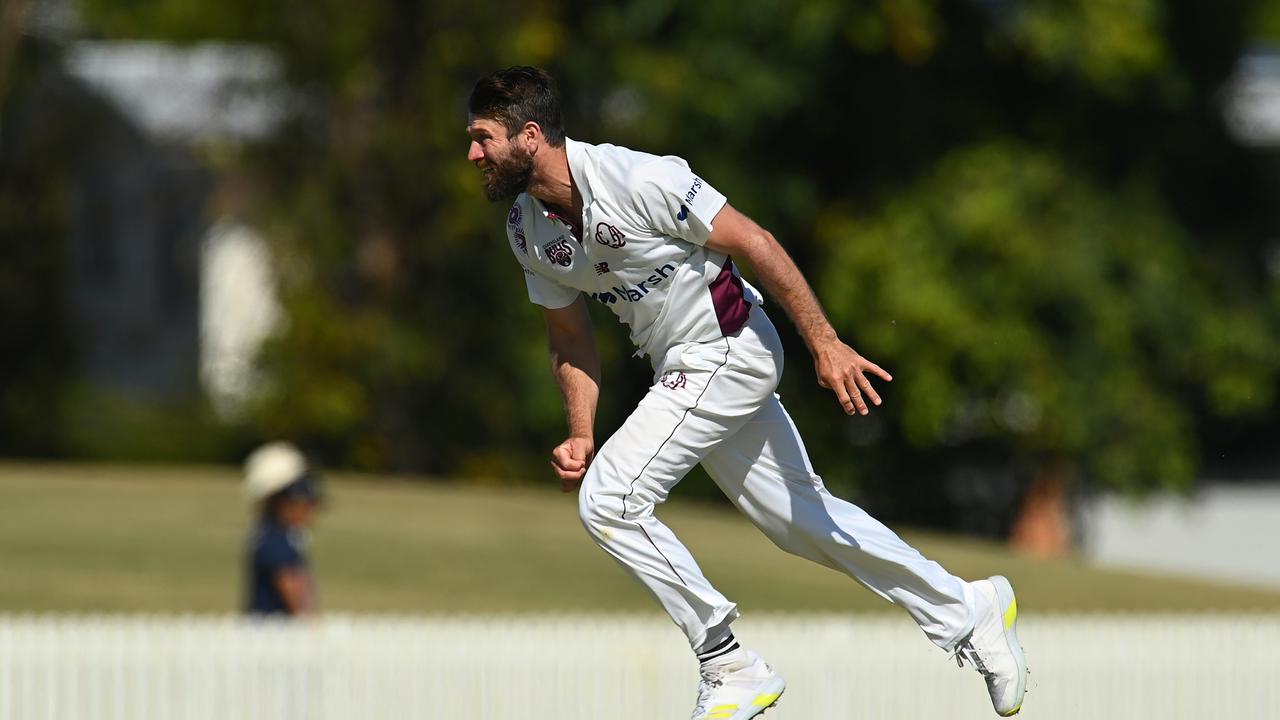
(657, 244)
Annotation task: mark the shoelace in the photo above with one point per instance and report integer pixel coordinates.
(712, 678)
(965, 651)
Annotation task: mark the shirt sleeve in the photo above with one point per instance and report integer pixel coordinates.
(276, 553)
(674, 201)
(542, 290)
(547, 292)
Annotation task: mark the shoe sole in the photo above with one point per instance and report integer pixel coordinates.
(766, 698)
(1008, 604)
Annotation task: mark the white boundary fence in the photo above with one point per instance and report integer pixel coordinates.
(1084, 667)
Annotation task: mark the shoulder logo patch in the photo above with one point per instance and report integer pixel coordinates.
(514, 217)
(522, 242)
(559, 251)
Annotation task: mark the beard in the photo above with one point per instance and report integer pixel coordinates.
(508, 177)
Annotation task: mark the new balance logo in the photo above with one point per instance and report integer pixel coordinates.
(640, 290)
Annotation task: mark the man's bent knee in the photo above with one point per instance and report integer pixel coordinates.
(598, 507)
(601, 507)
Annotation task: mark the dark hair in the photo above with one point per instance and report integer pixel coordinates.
(519, 95)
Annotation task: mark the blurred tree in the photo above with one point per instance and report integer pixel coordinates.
(1064, 319)
(37, 146)
(1030, 211)
(59, 145)
(930, 147)
(409, 343)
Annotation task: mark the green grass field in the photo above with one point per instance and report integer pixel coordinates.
(131, 539)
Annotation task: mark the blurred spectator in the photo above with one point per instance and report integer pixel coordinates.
(283, 488)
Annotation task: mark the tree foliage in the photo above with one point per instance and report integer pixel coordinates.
(1030, 211)
(1059, 318)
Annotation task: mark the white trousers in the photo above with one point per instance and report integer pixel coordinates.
(714, 403)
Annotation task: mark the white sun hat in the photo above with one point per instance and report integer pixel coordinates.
(271, 468)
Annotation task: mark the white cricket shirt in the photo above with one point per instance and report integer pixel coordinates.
(645, 223)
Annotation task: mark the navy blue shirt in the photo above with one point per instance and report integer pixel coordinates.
(272, 548)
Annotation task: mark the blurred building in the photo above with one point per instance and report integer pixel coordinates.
(137, 219)
(166, 292)
(1251, 109)
(1223, 532)
(201, 95)
(1252, 100)
(1226, 530)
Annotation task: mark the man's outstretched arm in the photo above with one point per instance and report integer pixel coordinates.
(576, 366)
(840, 368)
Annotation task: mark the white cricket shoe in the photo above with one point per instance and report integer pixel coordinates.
(726, 693)
(993, 647)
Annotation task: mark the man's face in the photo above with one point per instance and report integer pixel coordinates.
(507, 165)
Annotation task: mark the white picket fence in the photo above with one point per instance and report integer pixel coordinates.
(1084, 667)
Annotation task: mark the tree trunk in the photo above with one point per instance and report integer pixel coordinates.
(1043, 525)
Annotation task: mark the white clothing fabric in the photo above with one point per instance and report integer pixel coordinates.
(714, 403)
(645, 220)
(717, 358)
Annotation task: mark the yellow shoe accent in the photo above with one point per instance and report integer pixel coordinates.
(730, 708)
(1009, 616)
(718, 715)
(1013, 712)
(766, 700)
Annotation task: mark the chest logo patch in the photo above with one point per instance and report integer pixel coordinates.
(609, 236)
(522, 242)
(559, 252)
(674, 380)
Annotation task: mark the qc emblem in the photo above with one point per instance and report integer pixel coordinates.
(559, 252)
(609, 236)
(674, 380)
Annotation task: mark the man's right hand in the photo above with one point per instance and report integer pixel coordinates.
(571, 459)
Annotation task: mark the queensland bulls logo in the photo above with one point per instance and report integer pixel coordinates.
(674, 380)
(521, 242)
(513, 217)
(609, 236)
(559, 252)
